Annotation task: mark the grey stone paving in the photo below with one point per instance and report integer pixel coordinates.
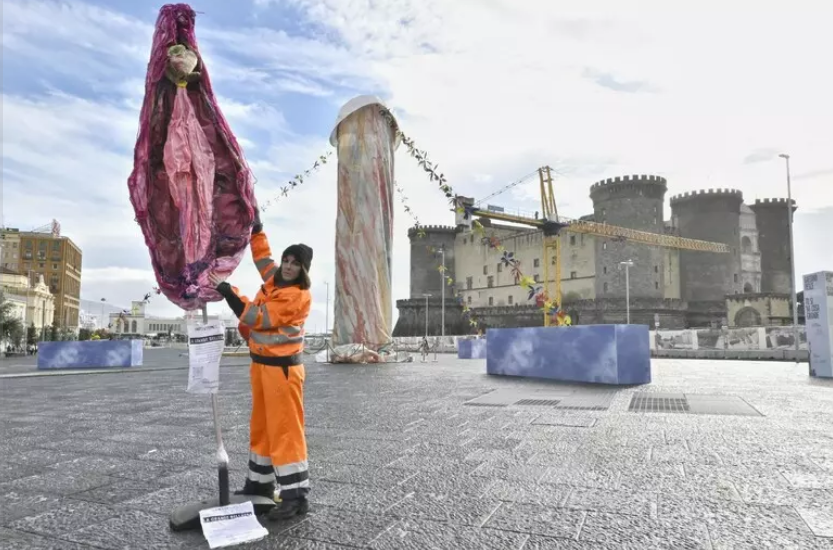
(401, 458)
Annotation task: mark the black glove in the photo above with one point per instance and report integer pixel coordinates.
(258, 225)
(235, 303)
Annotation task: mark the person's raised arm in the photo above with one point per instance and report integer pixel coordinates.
(261, 253)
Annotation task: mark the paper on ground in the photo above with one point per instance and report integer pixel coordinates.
(230, 525)
(205, 350)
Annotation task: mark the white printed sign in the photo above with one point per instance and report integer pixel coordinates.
(205, 350)
(818, 317)
(230, 525)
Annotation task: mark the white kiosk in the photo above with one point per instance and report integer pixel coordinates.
(818, 315)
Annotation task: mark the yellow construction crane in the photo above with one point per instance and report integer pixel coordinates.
(552, 224)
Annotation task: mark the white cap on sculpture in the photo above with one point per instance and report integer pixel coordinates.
(351, 107)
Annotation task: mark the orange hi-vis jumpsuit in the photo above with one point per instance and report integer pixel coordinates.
(273, 324)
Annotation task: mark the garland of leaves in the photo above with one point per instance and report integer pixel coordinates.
(420, 232)
(537, 293)
(296, 181)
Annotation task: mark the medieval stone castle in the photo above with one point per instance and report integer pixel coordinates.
(676, 288)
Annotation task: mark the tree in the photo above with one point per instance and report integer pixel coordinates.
(84, 334)
(11, 327)
(31, 335)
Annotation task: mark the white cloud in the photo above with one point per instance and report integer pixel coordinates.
(492, 89)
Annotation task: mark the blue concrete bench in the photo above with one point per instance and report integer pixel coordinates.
(91, 354)
(471, 349)
(602, 354)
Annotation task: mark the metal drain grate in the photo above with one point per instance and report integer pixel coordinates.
(581, 408)
(484, 404)
(537, 402)
(642, 403)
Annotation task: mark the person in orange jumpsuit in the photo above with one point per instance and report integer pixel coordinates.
(273, 324)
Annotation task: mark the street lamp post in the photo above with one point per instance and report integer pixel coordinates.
(327, 311)
(786, 158)
(442, 322)
(426, 313)
(327, 323)
(628, 264)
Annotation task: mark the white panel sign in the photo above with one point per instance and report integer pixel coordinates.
(818, 315)
(205, 351)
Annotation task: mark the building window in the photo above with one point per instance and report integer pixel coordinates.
(656, 285)
(510, 299)
(536, 262)
(736, 277)
(469, 299)
(469, 283)
(656, 269)
(572, 240)
(537, 278)
(485, 270)
(491, 301)
(573, 275)
(604, 270)
(605, 287)
(500, 268)
(490, 281)
(553, 260)
(604, 246)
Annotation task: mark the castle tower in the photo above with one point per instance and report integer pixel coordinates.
(635, 202)
(772, 218)
(427, 279)
(709, 215)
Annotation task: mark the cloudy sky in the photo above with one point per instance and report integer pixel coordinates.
(706, 94)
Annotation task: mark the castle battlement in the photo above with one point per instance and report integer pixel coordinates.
(706, 194)
(436, 229)
(619, 180)
(773, 202)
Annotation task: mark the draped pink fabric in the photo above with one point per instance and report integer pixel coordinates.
(189, 163)
(191, 188)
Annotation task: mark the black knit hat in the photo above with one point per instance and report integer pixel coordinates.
(300, 252)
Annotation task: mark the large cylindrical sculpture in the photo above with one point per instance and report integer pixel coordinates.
(366, 142)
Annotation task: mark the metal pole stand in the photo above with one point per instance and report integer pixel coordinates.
(187, 517)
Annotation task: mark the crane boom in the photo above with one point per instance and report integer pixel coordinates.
(605, 230)
(552, 224)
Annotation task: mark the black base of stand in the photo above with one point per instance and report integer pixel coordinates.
(187, 517)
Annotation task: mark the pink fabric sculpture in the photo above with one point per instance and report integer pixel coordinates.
(191, 188)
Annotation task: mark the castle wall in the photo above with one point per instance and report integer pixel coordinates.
(411, 321)
(760, 309)
(484, 281)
